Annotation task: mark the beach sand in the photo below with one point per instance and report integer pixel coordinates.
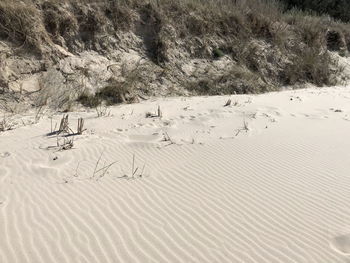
(265, 179)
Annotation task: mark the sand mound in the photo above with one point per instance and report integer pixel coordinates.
(264, 179)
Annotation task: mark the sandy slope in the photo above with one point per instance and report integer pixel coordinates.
(279, 192)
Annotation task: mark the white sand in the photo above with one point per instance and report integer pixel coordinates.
(279, 192)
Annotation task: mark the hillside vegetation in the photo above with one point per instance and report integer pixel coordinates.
(61, 51)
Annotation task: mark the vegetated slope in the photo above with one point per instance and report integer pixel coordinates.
(57, 51)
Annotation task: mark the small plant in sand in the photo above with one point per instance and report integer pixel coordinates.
(167, 138)
(228, 103)
(236, 103)
(135, 171)
(64, 134)
(76, 170)
(271, 119)
(102, 111)
(67, 144)
(63, 144)
(64, 127)
(158, 114)
(245, 128)
(253, 115)
(249, 101)
(100, 172)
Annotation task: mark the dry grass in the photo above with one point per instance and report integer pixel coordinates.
(100, 172)
(102, 111)
(237, 80)
(5, 124)
(21, 22)
(136, 172)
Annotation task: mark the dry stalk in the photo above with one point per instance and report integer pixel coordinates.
(80, 128)
(64, 125)
(134, 169)
(38, 114)
(158, 114)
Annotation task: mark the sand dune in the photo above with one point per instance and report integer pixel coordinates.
(265, 179)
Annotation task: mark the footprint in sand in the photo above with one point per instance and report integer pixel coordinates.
(5, 155)
(2, 201)
(166, 123)
(143, 138)
(342, 244)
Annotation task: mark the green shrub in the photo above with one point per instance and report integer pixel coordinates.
(88, 100)
(111, 94)
(310, 66)
(217, 53)
(237, 80)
